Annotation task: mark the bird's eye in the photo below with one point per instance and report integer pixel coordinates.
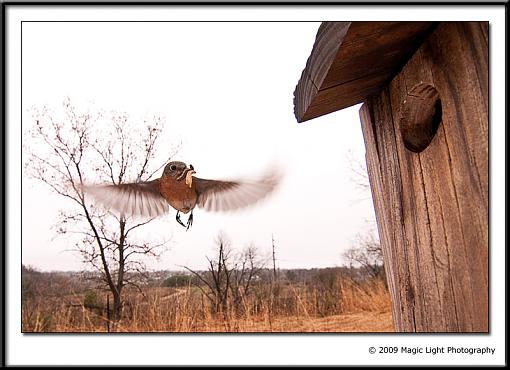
(173, 167)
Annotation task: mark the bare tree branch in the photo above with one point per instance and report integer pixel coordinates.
(228, 275)
(65, 153)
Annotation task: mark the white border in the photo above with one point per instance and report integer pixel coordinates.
(249, 349)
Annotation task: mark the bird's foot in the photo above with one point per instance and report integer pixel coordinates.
(190, 221)
(178, 218)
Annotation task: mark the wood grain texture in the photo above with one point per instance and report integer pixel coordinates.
(328, 40)
(351, 61)
(432, 206)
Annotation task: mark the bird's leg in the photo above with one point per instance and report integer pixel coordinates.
(190, 220)
(178, 218)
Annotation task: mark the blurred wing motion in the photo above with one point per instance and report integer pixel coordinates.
(217, 195)
(143, 198)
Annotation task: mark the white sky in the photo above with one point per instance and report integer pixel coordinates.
(226, 90)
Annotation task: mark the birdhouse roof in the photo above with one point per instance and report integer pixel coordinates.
(353, 60)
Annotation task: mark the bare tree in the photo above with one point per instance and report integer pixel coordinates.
(80, 148)
(359, 174)
(247, 268)
(230, 276)
(366, 255)
(216, 281)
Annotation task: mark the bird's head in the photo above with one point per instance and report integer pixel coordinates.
(177, 170)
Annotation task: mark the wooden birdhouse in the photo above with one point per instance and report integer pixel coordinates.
(424, 89)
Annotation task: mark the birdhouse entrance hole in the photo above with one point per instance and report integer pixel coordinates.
(421, 114)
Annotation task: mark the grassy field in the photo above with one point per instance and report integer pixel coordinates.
(343, 305)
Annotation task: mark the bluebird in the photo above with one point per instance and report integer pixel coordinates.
(177, 187)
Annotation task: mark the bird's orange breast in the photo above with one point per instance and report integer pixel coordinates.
(180, 196)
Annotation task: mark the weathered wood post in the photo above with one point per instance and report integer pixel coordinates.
(425, 123)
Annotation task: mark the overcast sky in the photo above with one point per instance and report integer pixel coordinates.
(226, 91)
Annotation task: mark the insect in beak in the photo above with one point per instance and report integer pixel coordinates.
(189, 174)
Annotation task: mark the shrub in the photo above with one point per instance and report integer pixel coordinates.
(92, 300)
(180, 280)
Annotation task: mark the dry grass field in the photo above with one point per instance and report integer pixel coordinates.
(58, 303)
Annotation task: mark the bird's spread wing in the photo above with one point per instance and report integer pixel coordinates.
(135, 199)
(217, 195)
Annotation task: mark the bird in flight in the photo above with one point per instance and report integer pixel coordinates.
(178, 188)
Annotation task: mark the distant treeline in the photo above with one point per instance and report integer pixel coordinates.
(55, 283)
